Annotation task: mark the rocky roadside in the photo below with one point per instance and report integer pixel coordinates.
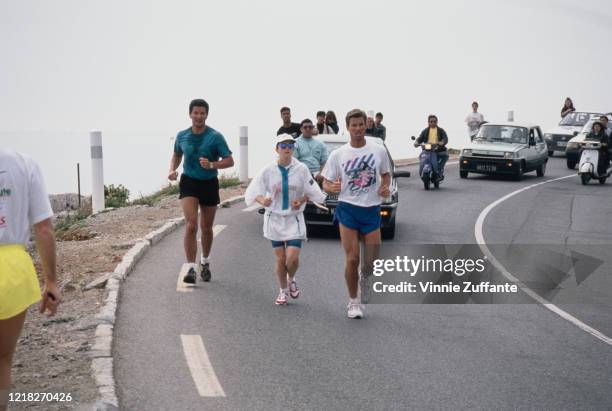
(53, 354)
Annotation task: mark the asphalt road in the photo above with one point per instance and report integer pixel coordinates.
(308, 355)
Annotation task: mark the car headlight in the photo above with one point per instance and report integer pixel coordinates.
(467, 153)
(548, 136)
(508, 155)
(572, 145)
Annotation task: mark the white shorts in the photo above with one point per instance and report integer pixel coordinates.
(279, 227)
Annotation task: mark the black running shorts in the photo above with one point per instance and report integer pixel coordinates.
(206, 191)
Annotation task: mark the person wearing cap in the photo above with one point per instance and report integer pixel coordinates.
(23, 203)
(205, 151)
(310, 151)
(283, 188)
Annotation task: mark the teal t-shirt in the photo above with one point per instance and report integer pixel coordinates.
(210, 144)
(311, 152)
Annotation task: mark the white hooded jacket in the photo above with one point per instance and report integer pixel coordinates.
(284, 185)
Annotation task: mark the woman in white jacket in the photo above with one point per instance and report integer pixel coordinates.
(283, 188)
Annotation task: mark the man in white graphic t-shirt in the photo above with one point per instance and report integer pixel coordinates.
(474, 120)
(360, 173)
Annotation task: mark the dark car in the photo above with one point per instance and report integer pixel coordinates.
(316, 216)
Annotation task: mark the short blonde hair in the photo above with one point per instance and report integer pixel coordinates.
(355, 113)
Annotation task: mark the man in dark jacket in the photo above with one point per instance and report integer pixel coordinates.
(436, 136)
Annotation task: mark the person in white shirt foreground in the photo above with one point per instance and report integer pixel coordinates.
(283, 188)
(23, 203)
(360, 172)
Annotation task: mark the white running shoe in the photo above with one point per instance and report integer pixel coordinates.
(355, 311)
(281, 299)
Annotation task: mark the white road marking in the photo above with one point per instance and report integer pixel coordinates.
(183, 287)
(202, 371)
(483, 246)
(252, 207)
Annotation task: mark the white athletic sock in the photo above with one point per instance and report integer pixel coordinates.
(356, 300)
(205, 260)
(192, 265)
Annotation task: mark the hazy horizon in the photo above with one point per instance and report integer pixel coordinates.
(131, 68)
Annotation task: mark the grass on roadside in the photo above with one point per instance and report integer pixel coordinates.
(225, 181)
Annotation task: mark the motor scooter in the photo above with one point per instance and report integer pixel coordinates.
(589, 161)
(428, 165)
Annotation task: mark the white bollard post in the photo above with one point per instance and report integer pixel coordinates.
(511, 115)
(244, 154)
(97, 172)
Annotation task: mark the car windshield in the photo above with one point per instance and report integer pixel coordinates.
(576, 119)
(502, 134)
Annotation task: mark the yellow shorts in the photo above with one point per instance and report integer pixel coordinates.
(19, 286)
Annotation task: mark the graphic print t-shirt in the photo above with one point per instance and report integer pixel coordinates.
(359, 170)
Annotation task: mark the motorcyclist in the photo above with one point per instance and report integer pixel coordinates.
(436, 136)
(598, 134)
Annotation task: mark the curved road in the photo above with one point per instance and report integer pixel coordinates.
(310, 356)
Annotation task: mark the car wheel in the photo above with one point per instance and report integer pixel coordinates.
(585, 179)
(388, 233)
(463, 174)
(571, 164)
(519, 174)
(541, 170)
(551, 153)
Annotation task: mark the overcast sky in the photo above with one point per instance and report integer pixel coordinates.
(130, 68)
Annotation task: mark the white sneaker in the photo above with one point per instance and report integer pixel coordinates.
(354, 311)
(281, 299)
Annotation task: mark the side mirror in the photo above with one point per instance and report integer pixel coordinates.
(576, 133)
(397, 174)
(413, 138)
(532, 141)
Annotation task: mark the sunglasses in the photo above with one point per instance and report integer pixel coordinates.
(283, 146)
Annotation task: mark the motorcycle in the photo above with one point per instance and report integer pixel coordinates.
(428, 165)
(589, 161)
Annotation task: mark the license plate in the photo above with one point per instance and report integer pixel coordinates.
(486, 167)
(561, 143)
(324, 212)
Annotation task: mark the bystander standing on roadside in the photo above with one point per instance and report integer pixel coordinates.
(331, 121)
(567, 108)
(283, 188)
(323, 128)
(381, 130)
(474, 120)
(293, 129)
(360, 173)
(23, 203)
(370, 128)
(205, 151)
(310, 151)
